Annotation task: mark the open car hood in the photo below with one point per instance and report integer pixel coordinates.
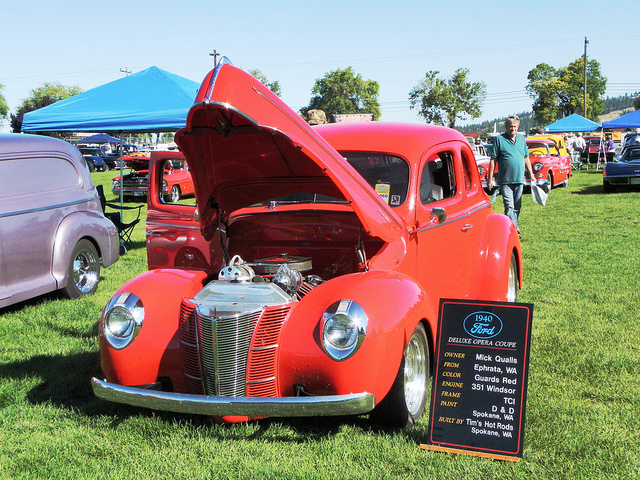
(137, 163)
(244, 146)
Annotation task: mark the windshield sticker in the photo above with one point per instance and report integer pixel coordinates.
(383, 190)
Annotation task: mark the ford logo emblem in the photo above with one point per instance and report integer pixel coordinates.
(482, 325)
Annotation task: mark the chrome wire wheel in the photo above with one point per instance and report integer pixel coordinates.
(512, 289)
(84, 270)
(174, 194)
(415, 373)
(405, 403)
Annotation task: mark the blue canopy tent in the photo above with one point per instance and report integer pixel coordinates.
(100, 138)
(152, 100)
(630, 120)
(572, 123)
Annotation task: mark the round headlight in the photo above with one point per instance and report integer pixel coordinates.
(122, 320)
(340, 332)
(481, 170)
(344, 326)
(119, 322)
(537, 166)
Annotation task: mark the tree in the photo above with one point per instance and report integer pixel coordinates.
(342, 91)
(444, 101)
(560, 93)
(47, 94)
(273, 86)
(4, 108)
(543, 87)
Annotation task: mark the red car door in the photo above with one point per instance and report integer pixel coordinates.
(449, 211)
(172, 231)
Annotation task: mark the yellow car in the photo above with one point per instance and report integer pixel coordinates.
(557, 139)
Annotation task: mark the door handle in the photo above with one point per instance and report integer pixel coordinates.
(466, 227)
(438, 214)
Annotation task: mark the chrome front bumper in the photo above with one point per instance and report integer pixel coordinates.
(541, 182)
(352, 404)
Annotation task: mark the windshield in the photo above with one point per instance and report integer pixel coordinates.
(537, 148)
(387, 174)
(631, 155)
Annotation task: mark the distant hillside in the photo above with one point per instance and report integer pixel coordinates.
(622, 103)
(613, 108)
(527, 122)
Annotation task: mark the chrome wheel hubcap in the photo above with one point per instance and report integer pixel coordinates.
(512, 292)
(85, 271)
(415, 375)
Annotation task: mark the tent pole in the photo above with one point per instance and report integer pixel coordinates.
(121, 175)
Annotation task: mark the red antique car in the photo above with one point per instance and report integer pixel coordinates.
(596, 149)
(483, 159)
(315, 286)
(176, 180)
(551, 168)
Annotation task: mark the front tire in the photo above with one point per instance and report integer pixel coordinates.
(84, 270)
(512, 287)
(405, 403)
(174, 194)
(549, 183)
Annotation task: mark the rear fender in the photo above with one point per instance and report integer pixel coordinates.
(155, 352)
(90, 225)
(498, 242)
(394, 304)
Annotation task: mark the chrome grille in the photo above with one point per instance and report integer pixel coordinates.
(189, 341)
(262, 362)
(224, 348)
(232, 355)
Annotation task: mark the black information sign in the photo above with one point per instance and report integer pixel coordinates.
(480, 383)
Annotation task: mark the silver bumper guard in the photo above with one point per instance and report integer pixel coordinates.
(328, 405)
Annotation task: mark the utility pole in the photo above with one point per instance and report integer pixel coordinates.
(584, 107)
(126, 72)
(215, 55)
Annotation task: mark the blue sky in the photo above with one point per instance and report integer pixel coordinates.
(395, 43)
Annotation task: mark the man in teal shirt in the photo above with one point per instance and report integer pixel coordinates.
(512, 156)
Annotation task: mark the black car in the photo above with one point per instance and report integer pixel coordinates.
(110, 161)
(95, 163)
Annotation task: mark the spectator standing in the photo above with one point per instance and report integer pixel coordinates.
(579, 145)
(511, 154)
(611, 148)
(568, 144)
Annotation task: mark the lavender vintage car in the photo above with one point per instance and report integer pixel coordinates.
(53, 233)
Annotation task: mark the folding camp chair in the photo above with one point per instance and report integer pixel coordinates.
(125, 229)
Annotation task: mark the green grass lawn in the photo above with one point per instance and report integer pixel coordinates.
(581, 261)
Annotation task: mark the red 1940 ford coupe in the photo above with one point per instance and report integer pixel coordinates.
(326, 252)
